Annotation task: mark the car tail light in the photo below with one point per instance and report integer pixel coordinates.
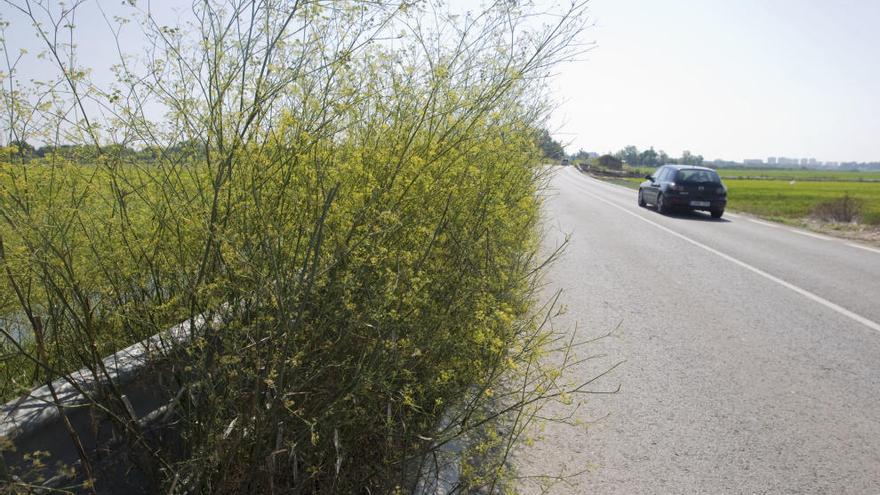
(721, 190)
(676, 187)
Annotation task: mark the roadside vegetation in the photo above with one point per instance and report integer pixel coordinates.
(356, 220)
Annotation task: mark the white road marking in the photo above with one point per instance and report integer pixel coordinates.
(766, 224)
(809, 295)
(866, 248)
(814, 236)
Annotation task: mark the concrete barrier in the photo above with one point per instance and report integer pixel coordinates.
(33, 423)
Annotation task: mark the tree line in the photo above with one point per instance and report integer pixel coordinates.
(24, 151)
(651, 158)
(630, 155)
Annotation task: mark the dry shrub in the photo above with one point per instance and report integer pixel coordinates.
(843, 210)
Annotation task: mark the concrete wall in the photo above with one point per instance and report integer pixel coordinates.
(33, 423)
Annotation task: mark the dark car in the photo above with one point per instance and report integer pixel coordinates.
(686, 187)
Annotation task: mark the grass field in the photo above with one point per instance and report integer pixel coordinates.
(801, 174)
(795, 194)
(784, 200)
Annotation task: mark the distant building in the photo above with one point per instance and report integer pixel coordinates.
(805, 161)
(771, 160)
(790, 162)
(719, 163)
(753, 161)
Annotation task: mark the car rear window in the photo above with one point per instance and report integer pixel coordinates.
(696, 175)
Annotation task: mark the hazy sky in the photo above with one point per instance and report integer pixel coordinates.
(728, 79)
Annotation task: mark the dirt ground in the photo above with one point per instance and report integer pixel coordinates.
(866, 234)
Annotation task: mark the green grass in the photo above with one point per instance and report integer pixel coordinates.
(781, 199)
(800, 174)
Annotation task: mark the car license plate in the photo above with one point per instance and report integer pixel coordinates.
(699, 203)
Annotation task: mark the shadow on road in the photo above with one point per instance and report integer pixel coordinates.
(694, 215)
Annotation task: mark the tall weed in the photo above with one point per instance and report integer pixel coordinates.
(356, 218)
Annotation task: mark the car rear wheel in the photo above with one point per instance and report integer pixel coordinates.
(716, 213)
(661, 204)
(642, 199)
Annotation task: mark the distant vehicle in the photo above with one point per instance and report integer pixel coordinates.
(685, 187)
(565, 161)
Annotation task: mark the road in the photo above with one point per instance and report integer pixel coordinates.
(752, 352)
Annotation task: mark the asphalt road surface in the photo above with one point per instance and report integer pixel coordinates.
(752, 352)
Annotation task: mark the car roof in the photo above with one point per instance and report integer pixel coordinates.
(678, 166)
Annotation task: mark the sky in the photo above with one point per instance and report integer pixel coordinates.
(727, 79)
